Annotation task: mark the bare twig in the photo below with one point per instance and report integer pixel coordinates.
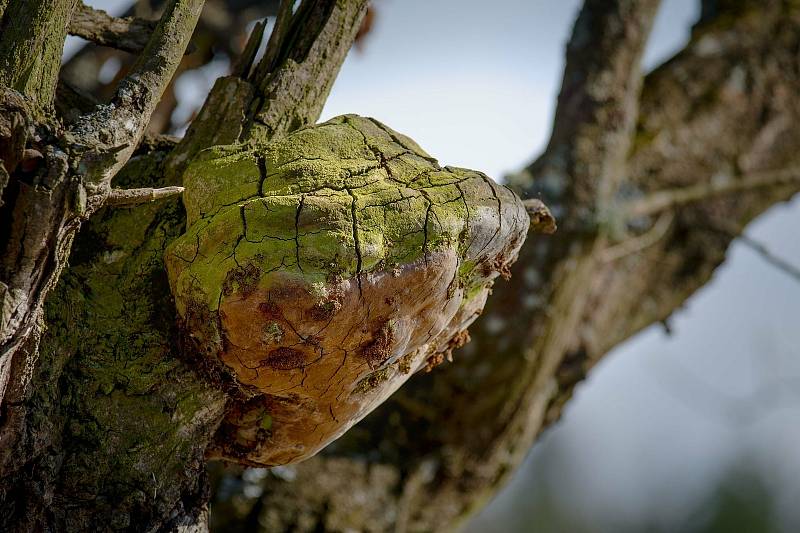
(672, 198)
(133, 197)
(129, 33)
(245, 62)
(778, 262)
(276, 38)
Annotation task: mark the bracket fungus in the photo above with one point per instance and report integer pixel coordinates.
(326, 267)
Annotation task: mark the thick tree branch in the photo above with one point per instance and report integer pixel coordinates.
(288, 88)
(47, 202)
(32, 36)
(597, 108)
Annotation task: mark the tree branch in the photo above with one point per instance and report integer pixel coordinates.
(134, 197)
(273, 100)
(277, 39)
(658, 201)
(778, 262)
(48, 202)
(32, 34)
(597, 108)
(129, 34)
(639, 243)
(110, 134)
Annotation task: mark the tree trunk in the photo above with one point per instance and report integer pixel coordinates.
(107, 413)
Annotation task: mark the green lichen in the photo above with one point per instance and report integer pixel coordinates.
(338, 200)
(137, 417)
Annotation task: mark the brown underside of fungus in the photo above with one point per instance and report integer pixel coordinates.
(324, 268)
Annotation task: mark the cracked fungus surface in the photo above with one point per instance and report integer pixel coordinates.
(324, 268)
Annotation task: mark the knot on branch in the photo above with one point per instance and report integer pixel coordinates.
(326, 267)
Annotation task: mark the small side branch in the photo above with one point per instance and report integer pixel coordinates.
(134, 197)
(276, 38)
(778, 262)
(672, 198)
(731, 230)
(129, 33)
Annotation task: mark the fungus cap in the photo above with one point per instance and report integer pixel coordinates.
(326, 267)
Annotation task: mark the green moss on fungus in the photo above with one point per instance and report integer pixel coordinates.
(340, 199)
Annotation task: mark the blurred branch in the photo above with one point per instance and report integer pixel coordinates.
(639, 243)
(662, 200)
(731, 231)
(127, 33)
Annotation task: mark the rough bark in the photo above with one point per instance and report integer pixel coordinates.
(32, 41)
